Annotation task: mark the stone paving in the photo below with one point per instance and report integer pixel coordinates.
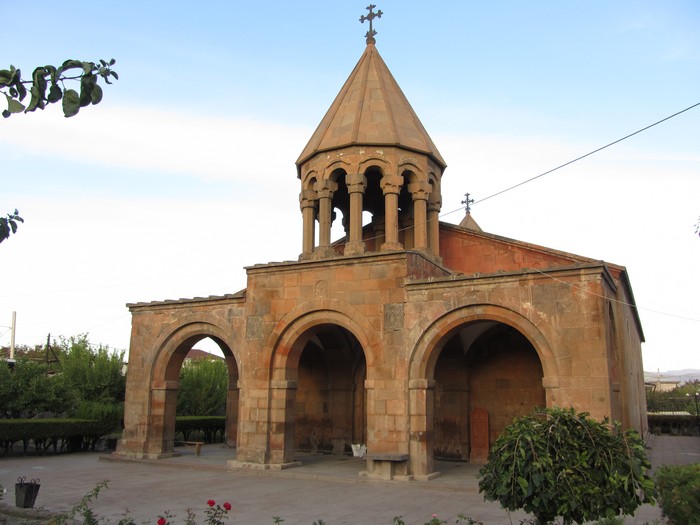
(324, 488)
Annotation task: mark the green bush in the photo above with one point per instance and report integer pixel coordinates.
(679, 493)
(557, 462)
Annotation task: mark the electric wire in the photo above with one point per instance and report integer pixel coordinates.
(612, 299)
(587, 154)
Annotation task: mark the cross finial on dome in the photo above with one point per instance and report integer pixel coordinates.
(371, 16)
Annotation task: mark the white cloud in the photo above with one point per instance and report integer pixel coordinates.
(210, 148)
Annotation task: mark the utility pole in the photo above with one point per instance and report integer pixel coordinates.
(12, 335)
(11, 360)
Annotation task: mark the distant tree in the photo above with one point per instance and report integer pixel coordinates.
(32, 388)
(203, 388)
(559, 463)
(8, 225)
(95, 374)
(82, 381)
(697, 227)
(53, 79)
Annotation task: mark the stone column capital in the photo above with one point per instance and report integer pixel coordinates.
(326, 188)
(391, 184)
(356, 182)
(307, 199)
(420, 190)
(434, 205)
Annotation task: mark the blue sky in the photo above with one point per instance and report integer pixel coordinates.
(185, 174)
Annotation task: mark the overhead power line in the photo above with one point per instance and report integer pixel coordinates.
(587, 154)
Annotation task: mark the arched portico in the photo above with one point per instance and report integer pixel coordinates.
(478, 357)
(318, 368)
(152, 386)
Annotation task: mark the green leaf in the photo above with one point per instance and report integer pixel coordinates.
(71, 64)
(14, 106)
(53, 73)
(523, 484)
(71, 103)
(5, 77)
(87, 84)
(96, 94)
(36, 101)
(55, 93)
(22, 91)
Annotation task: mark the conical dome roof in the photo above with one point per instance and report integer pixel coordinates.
(371, 110)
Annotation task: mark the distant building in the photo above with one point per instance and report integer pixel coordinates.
(419, 338)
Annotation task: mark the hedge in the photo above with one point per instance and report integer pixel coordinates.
(206, 426)
(59, 434)
(675, 425)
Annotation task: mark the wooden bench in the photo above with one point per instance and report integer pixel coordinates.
(196, 444)
(387, 466)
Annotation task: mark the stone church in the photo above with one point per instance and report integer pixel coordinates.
(418, 338)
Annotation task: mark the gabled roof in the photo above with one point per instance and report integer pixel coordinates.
(371, 110)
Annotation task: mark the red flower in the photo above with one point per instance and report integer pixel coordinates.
(211, 502)
(162, 521)
(227, 506)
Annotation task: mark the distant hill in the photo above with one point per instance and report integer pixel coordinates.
(682, 376)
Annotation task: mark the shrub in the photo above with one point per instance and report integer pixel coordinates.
(679, 493)
(557, 462)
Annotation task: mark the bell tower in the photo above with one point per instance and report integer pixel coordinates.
(370, 156)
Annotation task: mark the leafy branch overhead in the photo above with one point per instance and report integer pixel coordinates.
(8, 224)
(47, 86)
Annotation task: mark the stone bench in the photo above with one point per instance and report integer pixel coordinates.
(387, 466)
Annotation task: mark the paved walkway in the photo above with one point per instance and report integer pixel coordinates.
(324, 488)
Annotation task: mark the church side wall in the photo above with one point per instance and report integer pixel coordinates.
(633, 409)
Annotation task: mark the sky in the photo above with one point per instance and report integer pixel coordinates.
(184, 174)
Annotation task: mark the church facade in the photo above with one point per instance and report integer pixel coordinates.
(418, 338)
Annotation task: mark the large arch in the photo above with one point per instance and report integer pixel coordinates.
(447, 364)
(164, 380)
(331, 311)
(428, 335)
(321, 355)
